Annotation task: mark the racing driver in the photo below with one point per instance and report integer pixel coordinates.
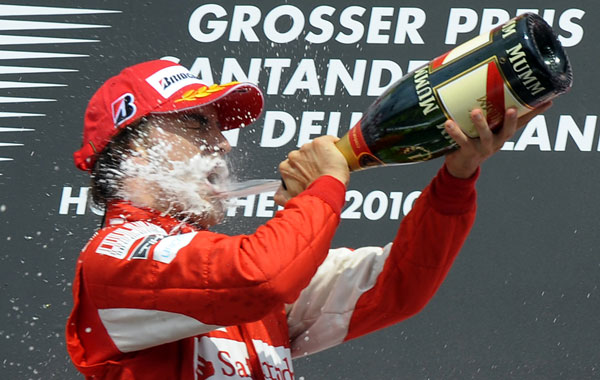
(157, 295)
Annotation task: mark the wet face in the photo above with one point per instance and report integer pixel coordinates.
(189, 134)
(178, 167)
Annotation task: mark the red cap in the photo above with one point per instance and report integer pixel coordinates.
(159, 87)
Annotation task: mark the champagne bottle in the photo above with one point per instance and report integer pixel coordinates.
(519, 64)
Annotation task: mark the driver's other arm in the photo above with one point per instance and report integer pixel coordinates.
(355, 292)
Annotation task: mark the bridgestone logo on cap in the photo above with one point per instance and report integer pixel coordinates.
(171, 79)
(123, 108)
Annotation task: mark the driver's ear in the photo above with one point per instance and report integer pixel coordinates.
(139, 150)
(140, 139)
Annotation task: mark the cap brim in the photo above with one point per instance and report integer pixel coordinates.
(239, 104)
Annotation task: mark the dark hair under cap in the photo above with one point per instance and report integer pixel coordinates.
(105, 178)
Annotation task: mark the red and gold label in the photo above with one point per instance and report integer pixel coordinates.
(482, 86)
(355, 150)
(460, 51)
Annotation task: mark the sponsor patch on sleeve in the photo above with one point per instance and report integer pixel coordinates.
(119, 242)
(142, 249)
(166, 250)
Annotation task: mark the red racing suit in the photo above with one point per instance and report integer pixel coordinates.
(155, 299)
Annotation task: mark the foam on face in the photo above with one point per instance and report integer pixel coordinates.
(187, 188)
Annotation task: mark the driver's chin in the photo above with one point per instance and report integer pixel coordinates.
(207, 218)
